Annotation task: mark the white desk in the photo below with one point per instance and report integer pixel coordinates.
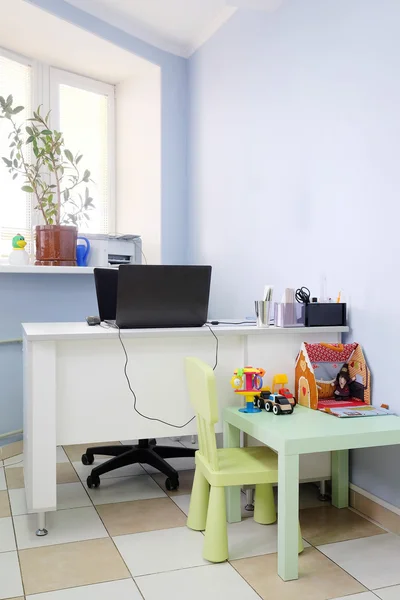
(75, 390)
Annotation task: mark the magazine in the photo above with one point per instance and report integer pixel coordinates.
(357, 411)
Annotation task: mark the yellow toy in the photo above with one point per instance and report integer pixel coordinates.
(248, 383)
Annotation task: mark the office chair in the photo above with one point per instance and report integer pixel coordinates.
(146, 452)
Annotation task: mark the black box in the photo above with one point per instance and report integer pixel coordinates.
(329, 314)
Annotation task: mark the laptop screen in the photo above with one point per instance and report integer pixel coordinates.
(163, 296)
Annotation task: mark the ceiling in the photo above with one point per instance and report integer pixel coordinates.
(177, 26)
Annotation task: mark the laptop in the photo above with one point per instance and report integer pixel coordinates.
(106, 282)
(151, 296)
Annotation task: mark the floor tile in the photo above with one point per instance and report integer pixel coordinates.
(4, 505)
(185, 483)
(141, 515)
(213, 582)
(309, 496)
(128, 471)
(329, 524)
(390, 593)
(362, 596)
(12, 449)
(249, 538)
(66, 473)
(15, 477)
(71, 565)
(183, 502)
(3, 485)
(374, 561)
(11, 584)
(179, 464)
(61, 456)
(319, 578)
(14, 461)
(64, 526)
(7, 539)
(125, 589)
(163, 550)
(124, 489)
(75, 452)
(69, 495)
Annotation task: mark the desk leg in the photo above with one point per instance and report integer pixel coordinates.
(233, 509)
(340, 478)
(288, 516)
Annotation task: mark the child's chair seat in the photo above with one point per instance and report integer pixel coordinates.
(241, 466)
(217, 469)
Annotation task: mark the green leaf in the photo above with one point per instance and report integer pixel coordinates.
(66, 195)
(29, 130)
(2, 101)
(7, 161)
(9, 99)
(15, 163)
(30, 139)
(86, 175)
(15, 175)
(27, 188)
(78, 158)
(68, 154)
(17, 110)
(46, 132)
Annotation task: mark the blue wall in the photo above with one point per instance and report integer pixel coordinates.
(174, 122)
(30, 298)
(294, 143)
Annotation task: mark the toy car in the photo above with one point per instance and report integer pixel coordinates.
(277, 403)
(288, 394)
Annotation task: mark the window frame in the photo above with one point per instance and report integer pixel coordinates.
(45, 79)
(58, 77)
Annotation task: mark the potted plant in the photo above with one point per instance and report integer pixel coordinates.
(51, 173)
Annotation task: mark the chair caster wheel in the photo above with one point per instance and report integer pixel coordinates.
(171, 484)
(87, 459)
(93, 481)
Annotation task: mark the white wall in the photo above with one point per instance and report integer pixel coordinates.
(138, 162)
(294, 171)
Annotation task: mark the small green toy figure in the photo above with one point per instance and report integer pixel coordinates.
(18, 256)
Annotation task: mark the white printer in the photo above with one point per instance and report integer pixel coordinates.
(106, 250)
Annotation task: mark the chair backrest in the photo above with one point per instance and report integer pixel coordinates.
(203, 397)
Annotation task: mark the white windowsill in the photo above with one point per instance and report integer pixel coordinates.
(29, 269)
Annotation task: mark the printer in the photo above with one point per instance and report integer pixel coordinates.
(114, 250)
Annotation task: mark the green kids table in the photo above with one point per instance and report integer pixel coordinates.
(304, 432)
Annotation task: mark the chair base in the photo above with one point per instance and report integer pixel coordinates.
(146, 452)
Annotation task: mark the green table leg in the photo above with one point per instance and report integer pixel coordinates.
(340, 478)
(233, 508)
(288, 516)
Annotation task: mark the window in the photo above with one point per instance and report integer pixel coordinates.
(83, 109)
(15, 205)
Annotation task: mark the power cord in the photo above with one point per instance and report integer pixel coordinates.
(134, 394)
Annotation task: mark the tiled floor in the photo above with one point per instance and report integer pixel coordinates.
(127, 540)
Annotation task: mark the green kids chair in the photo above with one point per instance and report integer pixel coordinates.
(219, 468)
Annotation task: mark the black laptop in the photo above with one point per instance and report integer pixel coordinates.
(106, 282)
(151, 296)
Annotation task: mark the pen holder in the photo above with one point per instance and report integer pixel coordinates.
(289, 315)
(263, 309)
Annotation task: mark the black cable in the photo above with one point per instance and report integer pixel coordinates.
(134, 395)
(216, 347)
(303, 295)
(230, 323)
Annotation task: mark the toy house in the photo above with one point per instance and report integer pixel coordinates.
(332, 375)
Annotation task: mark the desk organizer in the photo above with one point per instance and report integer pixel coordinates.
(289, 315)
(318, 370)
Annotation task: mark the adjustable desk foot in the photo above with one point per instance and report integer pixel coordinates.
(41, 531)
